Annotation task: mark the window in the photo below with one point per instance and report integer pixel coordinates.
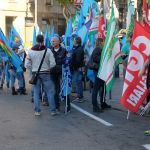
(29, 21)
(49, 2)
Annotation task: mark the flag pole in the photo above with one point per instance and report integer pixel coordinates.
(66, 106)
(128, 114)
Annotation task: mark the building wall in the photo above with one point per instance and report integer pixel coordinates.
(21, 14)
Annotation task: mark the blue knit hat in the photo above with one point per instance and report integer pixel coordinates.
(14, 46)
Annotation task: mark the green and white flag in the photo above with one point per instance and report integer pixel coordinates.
(130, 13)
(110, 57)
(130, 19)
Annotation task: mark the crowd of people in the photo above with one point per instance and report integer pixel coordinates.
(49, 79)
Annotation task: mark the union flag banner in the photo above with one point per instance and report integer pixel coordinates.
(146, 26)
(101, 25)
(134, 89)
(145, 11)
(78, 2)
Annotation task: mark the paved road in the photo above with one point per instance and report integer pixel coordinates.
(21, 130)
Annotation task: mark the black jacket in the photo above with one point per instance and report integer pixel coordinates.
(77, 58)
(59, 59)
(38, 48)
(96, 56)
(148, 78)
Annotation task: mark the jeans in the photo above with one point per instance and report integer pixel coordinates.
(18, 75)
(56, 79)
(78, 80)
(46, 81)
(2, 77)
(99, 85)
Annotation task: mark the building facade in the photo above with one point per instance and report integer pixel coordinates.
(21, 13)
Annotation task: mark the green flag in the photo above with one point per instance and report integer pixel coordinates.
(130, 19)
(110, 54)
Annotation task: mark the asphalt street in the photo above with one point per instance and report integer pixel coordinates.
(79, 130)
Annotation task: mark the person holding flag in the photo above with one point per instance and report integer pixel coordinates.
(56, 72)
(99, 84)
(1, 72)
(16, 74)
(77, 65)
(142, 72)
(22, 55)
(125, 52)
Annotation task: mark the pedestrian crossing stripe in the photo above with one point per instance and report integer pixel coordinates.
(91, 115)
(147, 146)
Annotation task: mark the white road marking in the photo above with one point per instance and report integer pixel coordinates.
(91, 115)
(147, 146)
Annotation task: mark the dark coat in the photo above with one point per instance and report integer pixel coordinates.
(77, 58)
(59, 59)
(148, 77)
(96, 56)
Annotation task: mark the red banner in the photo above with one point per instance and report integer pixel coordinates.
(145, 11)
(101, 26)
(146, 26)
(78, 2)
(134, 90)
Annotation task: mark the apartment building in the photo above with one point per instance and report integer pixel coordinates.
(21, 13)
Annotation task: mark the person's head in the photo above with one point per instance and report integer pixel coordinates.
(40, 39)
(77, 41)
(99, 42)
(56, 42)
(15, 47)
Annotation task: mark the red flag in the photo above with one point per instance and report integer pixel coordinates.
(146, 26)
(134, 90)
(145, 12)
(78, 2)
(90, 14)
(101, 25)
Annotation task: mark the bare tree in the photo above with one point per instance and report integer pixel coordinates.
(66, 10)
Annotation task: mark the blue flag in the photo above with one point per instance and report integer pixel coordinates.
(90, 75)
(34, 36)
(52, 35)
(84, 30)
(46, 38)
(85, 6)
(14, 36)
(66, 82)
(12, 56)
(68, 36)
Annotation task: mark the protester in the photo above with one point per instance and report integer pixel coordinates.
(14, 74)
(125, 52)
(22, 55)
(33, 61)
(142, 72)
(77, 67)
(99, 84)
(2, 72)
(59, 54)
